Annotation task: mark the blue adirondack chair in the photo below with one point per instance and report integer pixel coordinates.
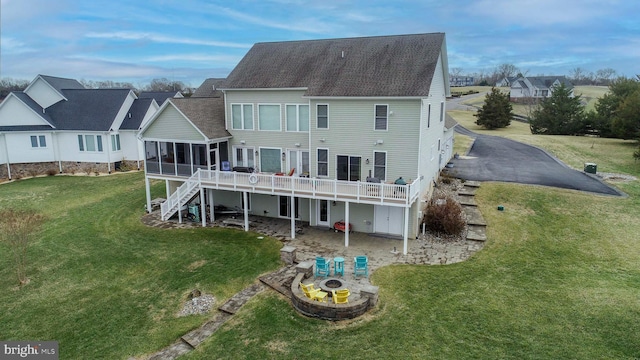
(360, 266)
(322, 267)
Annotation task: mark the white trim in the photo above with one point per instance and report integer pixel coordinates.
(253, 117)
(386, 164)
(317, 162)
(375, 115)
(319, 128)
(365, 97)
(279, 116)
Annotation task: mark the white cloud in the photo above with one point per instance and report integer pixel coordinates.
(130, 35)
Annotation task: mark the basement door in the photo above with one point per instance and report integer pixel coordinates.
(389, 220)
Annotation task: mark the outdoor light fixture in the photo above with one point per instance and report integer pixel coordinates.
(256, 152)
(367, 161)
(242, 142)
(283, 155)
(297, 144)
(322, 140)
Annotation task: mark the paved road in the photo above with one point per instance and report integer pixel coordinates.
(494, 158)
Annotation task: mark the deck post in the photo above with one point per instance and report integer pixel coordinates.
(406, 230)
(147, 188)
(203, 208)
(346, 224)
(246, 211)
(211, 209)
(293, 217)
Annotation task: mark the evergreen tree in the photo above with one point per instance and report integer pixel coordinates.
(625, 123)
(559, 114)
(496, 112)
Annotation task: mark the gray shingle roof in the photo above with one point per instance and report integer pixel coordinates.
(60, 84)
(449, 122)
(88, 109)
(206, 89)
(545, 82)
(205, 113)
(400, 65)
(137, 110)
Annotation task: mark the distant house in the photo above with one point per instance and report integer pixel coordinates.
(347, 130)
(507, 81)
(56, 125)
(537, 87)
(461, 81)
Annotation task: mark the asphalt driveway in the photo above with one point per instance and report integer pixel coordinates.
(493, 158)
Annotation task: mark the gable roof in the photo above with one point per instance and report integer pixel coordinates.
(207, 114)
(136, 113)
(209, 88)
(60, 84)
(159, 96)
(88, 109)
(543, 82)
(400, 65)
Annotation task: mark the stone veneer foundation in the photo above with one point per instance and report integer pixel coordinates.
(19, 171)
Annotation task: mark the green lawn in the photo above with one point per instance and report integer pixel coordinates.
(103, 284)
(559, 278)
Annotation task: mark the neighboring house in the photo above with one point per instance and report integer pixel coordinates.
(507, 81)
(56, 125)
(461, 81)
(537, 87)
(329, 126)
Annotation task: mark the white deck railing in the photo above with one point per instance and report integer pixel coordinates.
(174, 202)
(339, 190)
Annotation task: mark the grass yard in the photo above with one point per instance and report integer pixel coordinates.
(103, 284)
(559, 277)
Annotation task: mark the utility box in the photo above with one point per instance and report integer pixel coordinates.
(590, 168)
(193, 209)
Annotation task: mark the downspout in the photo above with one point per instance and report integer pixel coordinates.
(56, 149)
(6, 151)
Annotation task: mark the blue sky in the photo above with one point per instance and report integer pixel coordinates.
(190, 40)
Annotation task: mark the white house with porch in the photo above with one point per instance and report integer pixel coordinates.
(318, 131)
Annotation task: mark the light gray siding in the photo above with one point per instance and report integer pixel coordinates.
(172, 125)
(351, 132)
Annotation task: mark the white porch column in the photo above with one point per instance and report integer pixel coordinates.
(147, 188)
(246, 211)
(293, 217)
(406, 230)
(203, 208)
(211, 209)
(346, 224)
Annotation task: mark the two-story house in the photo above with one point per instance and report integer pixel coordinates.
(56, 125)
(340, 129)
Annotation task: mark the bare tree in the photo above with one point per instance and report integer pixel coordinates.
(164, 84)
(506, 70)
(455, 71)
(603, 76)
(17, 229)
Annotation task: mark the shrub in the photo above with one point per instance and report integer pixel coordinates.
(444, 215)
(52, 172)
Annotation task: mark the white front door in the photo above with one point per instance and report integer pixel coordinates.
(388, 220)
(322, 213)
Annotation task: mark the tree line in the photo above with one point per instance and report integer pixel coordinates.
(577, 76)
(8, 85)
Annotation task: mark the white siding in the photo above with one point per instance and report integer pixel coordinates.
(19, 144)
(172, 125)
(15, 112)
(132, 148)
(42, 93)
(69, 150)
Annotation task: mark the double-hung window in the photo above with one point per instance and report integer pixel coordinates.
(115, 142)
(90, 143)
(38, 141)
(242, 116)
(381, 117)
(298, 118)
(269, 117)
(380, 165)
(442, 111)
(322, 116)
(323, 162)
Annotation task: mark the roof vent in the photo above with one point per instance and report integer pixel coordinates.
(129, 115)
(343, 54)
(213, 87)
